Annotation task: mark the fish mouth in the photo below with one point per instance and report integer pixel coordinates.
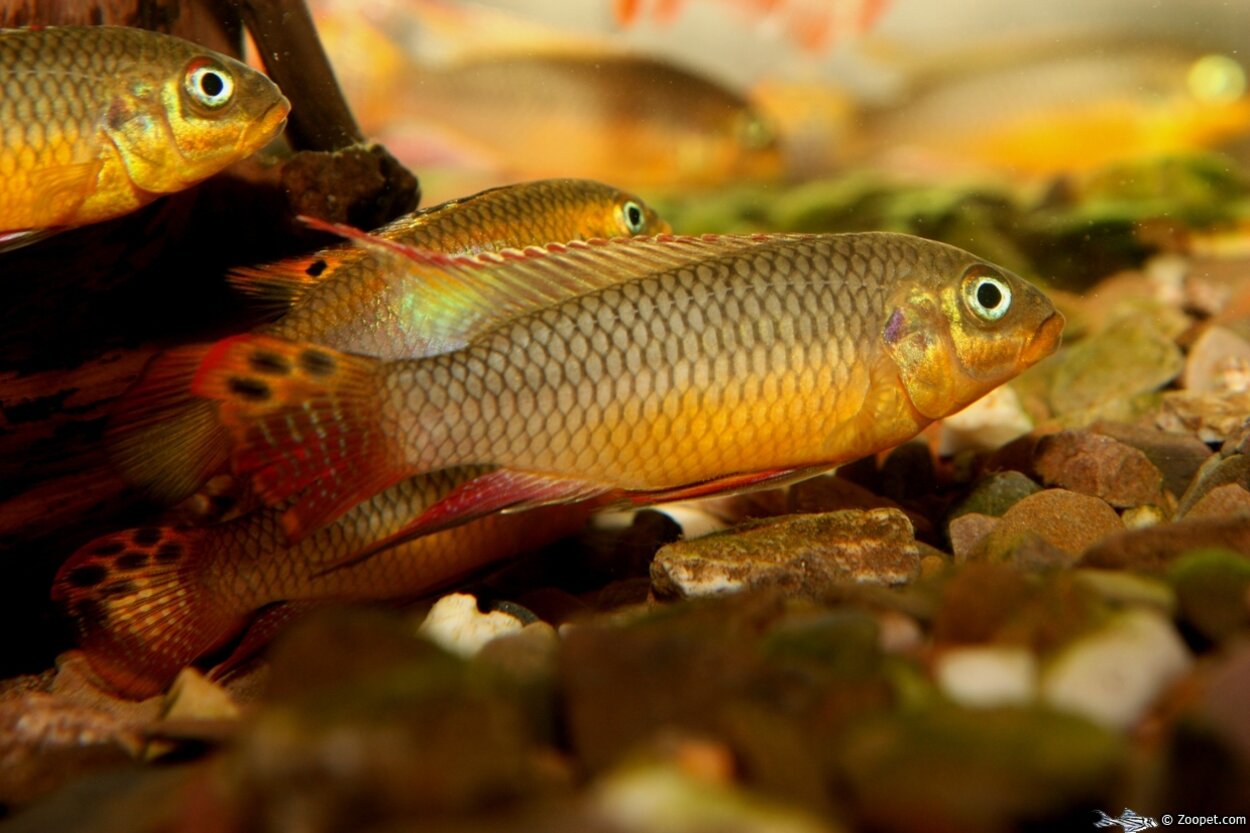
(1045, 341)
(270, 123)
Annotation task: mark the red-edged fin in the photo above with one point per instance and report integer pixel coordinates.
(10, 240)
(304, 420)
(284, 283)
(734, 483)
(501, 489)
(162, 438)
(141, 607)
(463, 296)
(267, 624)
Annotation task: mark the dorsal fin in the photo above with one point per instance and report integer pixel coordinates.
(466, 295)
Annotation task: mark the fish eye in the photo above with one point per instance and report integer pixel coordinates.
(989, 297)
(208, 85)
(755, 132)
(633, 215)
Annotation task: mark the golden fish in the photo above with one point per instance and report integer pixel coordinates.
(98, 121)
(775, 356)
(346, 298)
(347, 315)
(147, 602)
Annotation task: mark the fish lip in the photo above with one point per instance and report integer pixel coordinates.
(1045, 341)
(259, 132)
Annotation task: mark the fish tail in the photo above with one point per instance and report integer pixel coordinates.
(163, 439)
(306, 423)
(140, 606)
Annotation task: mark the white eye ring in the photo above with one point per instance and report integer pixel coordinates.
(209, 86)
(634, 218)
(988, 297)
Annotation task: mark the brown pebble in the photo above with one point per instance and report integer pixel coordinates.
(1177, 456)
(969, 530)
(1068, 521)
(1216, 472)
(1152, 549)
(1099, 466)
(1221, 502)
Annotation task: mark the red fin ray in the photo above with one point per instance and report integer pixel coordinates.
(162, 438)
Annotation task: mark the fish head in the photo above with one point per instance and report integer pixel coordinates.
(612, 213)
(963, 327)
(195, 113)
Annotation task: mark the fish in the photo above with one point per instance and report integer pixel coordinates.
(96, 122)
(1092, 102)
(814, 25)
(770, 359)
(346, 297)
(638, 121)
(147, 602)
(505, 217)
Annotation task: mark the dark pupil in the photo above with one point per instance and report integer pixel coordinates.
(989, 295)
(211, 84)
(633, 215)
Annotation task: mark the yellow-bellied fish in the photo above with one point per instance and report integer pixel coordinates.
(766, 359)
(147, 602)
(98, 121)
(346, 298)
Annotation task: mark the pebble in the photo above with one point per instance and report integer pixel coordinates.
(1100, 466)
(802, 554)
(1152, 549)
(1221, 502)
(663, 798)
(983, 676)
(455, 624)
(1212, 416)
(1213, 592)
(1218, 471)
(992, 421)
(1218, 361)
(995, 493)
(968, 531)
(1177, 456)
(1067, 521)
(1131, 356)
(1114, 676)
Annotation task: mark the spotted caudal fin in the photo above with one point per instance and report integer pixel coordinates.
(141, 608)
(305, 423)
(163, 439)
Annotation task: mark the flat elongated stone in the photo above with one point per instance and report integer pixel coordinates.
(805, 554)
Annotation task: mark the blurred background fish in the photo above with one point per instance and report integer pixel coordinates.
(98, 121)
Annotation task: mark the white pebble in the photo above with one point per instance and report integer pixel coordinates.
(1114, 676)
(456, 625)
(981, 677)
(991, 422)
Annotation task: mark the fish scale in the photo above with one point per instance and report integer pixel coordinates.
(743, 311)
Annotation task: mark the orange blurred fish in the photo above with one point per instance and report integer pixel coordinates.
(812, 24)
(98, 121)
(147, 602)
(764, 359)
(346, 298)
(639, 121)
